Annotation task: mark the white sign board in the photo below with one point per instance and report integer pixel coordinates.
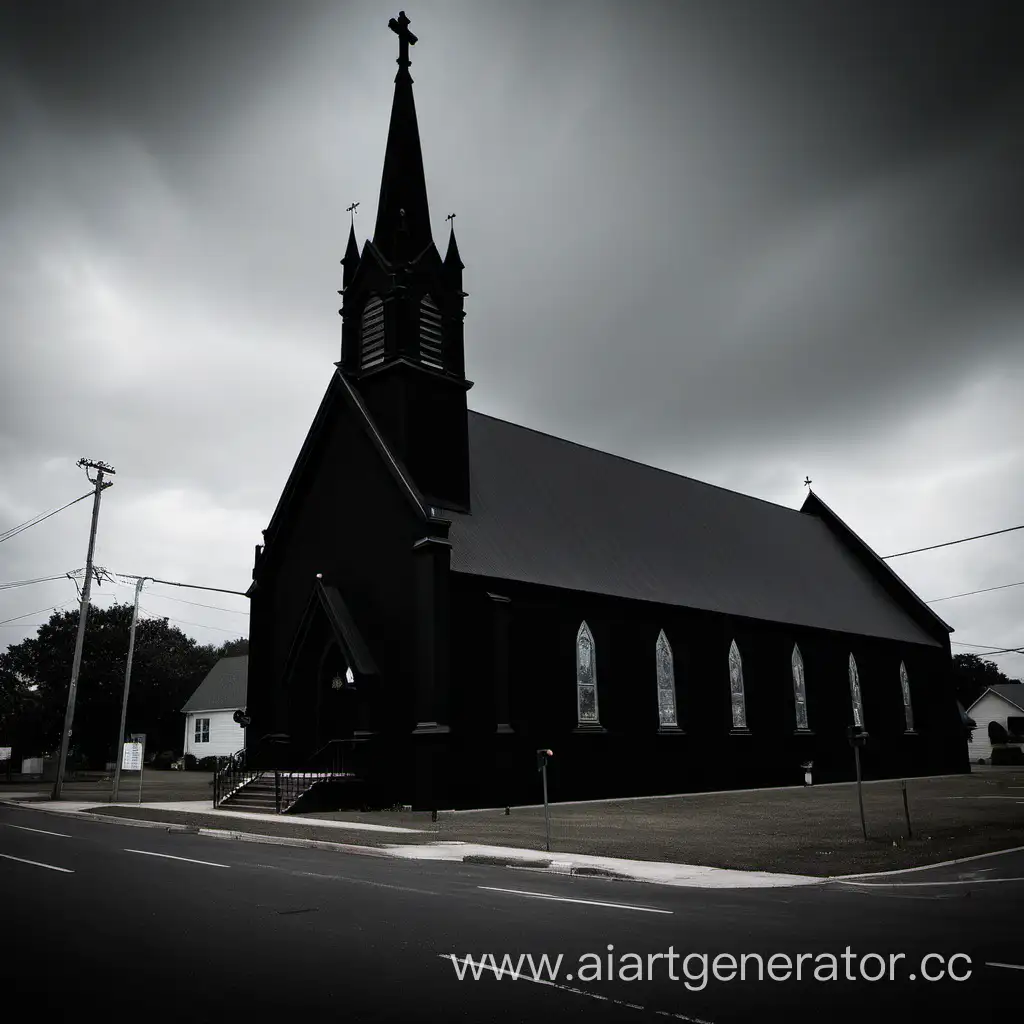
(5, 753)
(131, 759)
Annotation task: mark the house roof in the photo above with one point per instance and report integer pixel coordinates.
(223, 688)
(548, 511)
(1012, 693)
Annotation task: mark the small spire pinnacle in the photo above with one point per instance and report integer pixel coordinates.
(452, 259)
(807, 482)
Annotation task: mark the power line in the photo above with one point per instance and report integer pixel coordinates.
(194, 604)
(949, 543)
(35, 520)
(40, 579)
(185, 622)
(191, 586)
(970, 593)
(36, 612)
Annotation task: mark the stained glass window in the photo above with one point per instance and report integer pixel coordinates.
(739, 700)
(908, 709)
(586, 678)
(666, 681)
(799, 689)
(855, 699)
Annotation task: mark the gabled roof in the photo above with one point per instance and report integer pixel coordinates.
(1012, 693)
(552, 512)
(326, 600)
(223, 688)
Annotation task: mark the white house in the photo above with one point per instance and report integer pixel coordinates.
(1002, 703)
(210, 728)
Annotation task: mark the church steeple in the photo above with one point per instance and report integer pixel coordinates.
(402, 327)
(402, 231)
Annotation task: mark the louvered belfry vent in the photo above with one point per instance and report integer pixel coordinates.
(372, 333)
(430, 334)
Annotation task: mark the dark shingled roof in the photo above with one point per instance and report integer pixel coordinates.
(1012, 692)
(548, 511)
(223, 688)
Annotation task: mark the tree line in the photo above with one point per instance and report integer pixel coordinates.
(167, 666)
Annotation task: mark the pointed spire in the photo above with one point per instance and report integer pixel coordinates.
(351, 259)
(402, 231)
(452, 259)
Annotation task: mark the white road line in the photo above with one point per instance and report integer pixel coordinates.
(568, 988)
(926, 867)
(169, 856)
(916, 885)
(41, 831)
(567, 899)
(1012, 967)
(21, 860)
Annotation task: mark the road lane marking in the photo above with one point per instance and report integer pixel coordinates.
(952, 881)
(41, 831)
(1012, 967)
(467, 960)
(36, 863)
(567, 899)
(169, 856)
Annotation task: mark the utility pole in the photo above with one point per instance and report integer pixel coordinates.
(119, 752)
(100, 485)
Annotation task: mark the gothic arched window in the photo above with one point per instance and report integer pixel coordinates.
(799, 689)
(431, 353)
(855, 698)
(666, 682)
(739, 699)
(372, 334)
(586, 678)
(908, 709)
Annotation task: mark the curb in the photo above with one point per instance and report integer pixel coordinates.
(314, 844)
(140, 823)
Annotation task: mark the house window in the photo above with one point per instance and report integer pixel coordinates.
(855, 698)
(908, 710)
(739, 700)
(666, 682)
(586, 678)
(202, 730)
(799, 689)
(372, 341)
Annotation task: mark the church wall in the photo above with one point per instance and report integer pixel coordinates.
(630, 756)
(351, 523)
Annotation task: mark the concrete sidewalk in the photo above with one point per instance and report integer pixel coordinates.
(273, 828)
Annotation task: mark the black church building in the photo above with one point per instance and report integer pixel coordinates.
(441, 593)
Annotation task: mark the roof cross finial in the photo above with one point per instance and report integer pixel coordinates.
(352, 210)
(451, 217)
(400, 26)
(807, 482)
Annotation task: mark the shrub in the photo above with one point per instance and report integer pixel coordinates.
(190, 762)
(1007, 755)
(996, 733)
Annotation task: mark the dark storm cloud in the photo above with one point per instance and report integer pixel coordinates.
(742, 240)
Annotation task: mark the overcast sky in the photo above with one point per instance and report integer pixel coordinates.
(745, 241)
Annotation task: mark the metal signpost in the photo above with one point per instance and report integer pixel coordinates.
(127, 682)
(542, 767)
(132, 757)
(858, 737)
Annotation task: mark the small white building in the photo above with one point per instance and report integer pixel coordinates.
(1002, 703)
(210, 728)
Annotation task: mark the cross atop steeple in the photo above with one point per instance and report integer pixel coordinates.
(400, 26)
(808, 482)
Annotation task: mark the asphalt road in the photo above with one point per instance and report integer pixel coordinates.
(139, 923)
